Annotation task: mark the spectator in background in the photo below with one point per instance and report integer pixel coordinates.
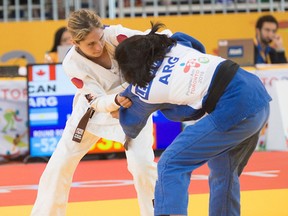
(269, 46)
(62, 37)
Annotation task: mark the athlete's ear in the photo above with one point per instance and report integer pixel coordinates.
(75, 43)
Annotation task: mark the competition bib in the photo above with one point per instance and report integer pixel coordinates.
(183, 78)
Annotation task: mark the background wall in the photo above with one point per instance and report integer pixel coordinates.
(35, 38)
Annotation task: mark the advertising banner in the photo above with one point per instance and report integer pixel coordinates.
(272, 136)
(282, 89)
(13, 118)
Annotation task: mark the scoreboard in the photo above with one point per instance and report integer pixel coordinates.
(50, 97)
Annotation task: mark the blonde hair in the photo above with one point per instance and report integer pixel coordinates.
(82, 22)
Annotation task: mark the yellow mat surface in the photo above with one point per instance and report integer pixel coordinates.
(254, 203)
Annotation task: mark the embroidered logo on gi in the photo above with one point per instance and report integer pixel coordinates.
(190, 63)
(77, 82)
(203, 60)
(121, 38)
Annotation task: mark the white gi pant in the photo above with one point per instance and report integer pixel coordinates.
(55, 182)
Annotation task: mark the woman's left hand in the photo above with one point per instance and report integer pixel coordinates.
(123, 101)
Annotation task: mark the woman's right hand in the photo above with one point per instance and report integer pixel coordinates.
(115, 114)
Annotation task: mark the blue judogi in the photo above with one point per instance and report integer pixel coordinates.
(224, 138)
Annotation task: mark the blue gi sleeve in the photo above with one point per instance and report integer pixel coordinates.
(134, 118)
(187, 40)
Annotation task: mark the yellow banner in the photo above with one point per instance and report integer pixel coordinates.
(24, 42)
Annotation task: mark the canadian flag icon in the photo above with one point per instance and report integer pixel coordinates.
(41, 73)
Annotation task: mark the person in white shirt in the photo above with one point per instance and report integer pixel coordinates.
(92, 69)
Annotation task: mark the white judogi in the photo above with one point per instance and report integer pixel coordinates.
(104, 84)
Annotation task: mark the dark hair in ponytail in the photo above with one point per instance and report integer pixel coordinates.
(136, 55)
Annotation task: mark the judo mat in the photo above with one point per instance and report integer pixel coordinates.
(105, 188)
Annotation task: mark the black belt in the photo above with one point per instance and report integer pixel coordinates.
(225, 74)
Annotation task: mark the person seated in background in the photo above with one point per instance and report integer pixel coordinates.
(61, 38)
(269, 48)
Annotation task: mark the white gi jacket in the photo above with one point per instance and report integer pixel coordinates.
(102, 83)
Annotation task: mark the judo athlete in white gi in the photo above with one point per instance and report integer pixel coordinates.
(91, 67)
(231, 106)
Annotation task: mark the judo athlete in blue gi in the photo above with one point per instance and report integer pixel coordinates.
(174, 75)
